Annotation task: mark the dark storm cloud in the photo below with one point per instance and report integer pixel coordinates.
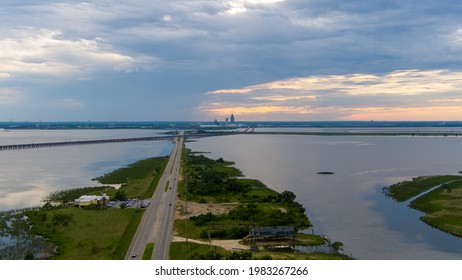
(177, 50)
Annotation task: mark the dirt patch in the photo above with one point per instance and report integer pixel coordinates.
(230, 245)
(195, 209)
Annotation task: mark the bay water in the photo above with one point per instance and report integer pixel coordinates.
(348, 206)
(27, 176)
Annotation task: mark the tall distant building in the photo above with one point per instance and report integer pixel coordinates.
(232, 118)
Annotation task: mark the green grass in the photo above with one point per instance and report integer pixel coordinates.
(302, 239)
(187, 251)
(215, 181)
(408, 189)
(183, 226)
(69, 195)
(191, 250)
(137, 170)
(299, 256)
(237, 222)
(128, 234)
(148, 251)
(138, 179)
(93, 234)
(155, 181)
(442, 208)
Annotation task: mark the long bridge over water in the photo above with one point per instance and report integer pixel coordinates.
(115, 140)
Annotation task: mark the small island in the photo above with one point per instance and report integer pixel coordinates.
(326, 173)
(439, 197)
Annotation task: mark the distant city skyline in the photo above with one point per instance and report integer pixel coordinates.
(261, 60)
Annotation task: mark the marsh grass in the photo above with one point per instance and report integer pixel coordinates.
(405, 190)
(139, 179)
(91, 234)
(96, 232)
(442, 208)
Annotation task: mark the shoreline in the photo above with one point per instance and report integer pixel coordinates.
(207, 212)
(394, 134)
(437, 197)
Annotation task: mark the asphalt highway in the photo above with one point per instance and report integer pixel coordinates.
(157, 222)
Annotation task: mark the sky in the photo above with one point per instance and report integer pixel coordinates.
(200, 60)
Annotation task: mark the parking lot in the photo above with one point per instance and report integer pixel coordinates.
(129, 203)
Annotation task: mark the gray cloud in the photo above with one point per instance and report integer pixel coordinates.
(190, 47)
(398, 94)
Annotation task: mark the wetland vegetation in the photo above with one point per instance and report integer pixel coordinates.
(94, 232)
(212, 182)
(442, 206)
(98, 232)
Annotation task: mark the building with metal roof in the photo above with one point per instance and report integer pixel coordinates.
(276, 231)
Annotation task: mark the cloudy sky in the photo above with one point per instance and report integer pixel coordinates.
(197, 60)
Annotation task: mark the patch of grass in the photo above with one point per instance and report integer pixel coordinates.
(237, 223)
(137, 170)
(299, 256)
(403, 191)
(128, 234)
(65, 196)
(302, 239)
(443, 208)
(155, 180)
(148, 251)
(191, 250)
(185, 226)
(138, 179)
(91, 234)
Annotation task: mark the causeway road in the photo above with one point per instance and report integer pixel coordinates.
(156, 225)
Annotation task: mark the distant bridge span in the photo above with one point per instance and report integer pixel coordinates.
(117, 140)
(81, 142)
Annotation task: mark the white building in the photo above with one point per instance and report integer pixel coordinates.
(87, 200)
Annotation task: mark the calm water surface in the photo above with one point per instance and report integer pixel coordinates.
(349, 206)
(27, 176)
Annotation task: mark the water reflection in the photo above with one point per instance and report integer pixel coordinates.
(29, 175)
(349, 206)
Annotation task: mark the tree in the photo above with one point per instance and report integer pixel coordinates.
(29, 255)
(288, 196)
(47, 206)
(337, 246)
(240, 256)
(62, 219)
(120, 195)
